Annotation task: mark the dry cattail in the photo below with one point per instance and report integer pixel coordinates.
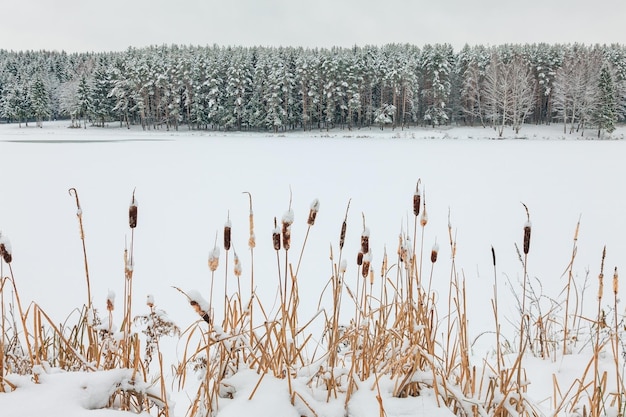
(132, 212)
(365, 240)
(227, 229)
(527, 228)
(5, 249)
(214, 259)
(359, 258)
(383, 268)
(276, 236)
(252, 238)
(342, 234)
(417, 199)
(493, 256)
(371, 276)
(615, 282)
(601, 276)
(424, 218)
(111, 301)
(150, 300)
(315, 207)
(365, 269)
(434, 252)
(237, 266)
(287, 221)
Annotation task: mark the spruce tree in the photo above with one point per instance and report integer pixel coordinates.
(606, 111)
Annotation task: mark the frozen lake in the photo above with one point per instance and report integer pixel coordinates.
(189, 183)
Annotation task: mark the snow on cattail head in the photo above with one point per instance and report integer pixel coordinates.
(197, 301)
(315, 207)
(343, 265)
(287, 222)
(150, 300)
(365, 240)
(434, 252)
(5, 249)
(111, 300)
(132, 212)
(227, 230)
(214, 259)
(276, 236)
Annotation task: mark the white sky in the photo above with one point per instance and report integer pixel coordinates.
(114, 25)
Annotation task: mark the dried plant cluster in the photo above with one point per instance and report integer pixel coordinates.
(398, 331)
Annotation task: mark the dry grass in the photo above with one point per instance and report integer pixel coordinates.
(398, 330)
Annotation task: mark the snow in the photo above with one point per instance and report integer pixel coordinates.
(472, 179)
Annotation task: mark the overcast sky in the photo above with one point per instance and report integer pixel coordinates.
(114, 25)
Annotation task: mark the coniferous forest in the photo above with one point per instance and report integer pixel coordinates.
(278, 89)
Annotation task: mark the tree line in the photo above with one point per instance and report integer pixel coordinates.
(277, 89)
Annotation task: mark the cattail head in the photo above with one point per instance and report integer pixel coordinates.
(371, 276)
(365, 240)
(601, 276)
(287, 221)
(424, 218)
(132, 212)
(527, 228)
(433, 253)
(383, 268)
(342, 234)
(343, 265)
(251, 239)
(359, 258)
(214, 259)
(493, 256)
(315, 207)
(111, 301)
(237, 266)
(417, 199)
(365, 268)
(150, 300)
(615, 282)
(227, 229)
(276, 236)
(5, 249)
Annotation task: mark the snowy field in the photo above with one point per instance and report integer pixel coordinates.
(189, 183)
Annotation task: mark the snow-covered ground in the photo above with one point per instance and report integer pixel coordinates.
(188, 183)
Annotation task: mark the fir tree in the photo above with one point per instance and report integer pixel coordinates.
(40, 101)
(606, 111)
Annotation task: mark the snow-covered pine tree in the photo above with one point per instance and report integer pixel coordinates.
(605, 115)
(40, 101)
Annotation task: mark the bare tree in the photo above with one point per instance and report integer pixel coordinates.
(508, 93)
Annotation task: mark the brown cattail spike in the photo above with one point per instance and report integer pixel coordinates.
(434, 252)
(276, 236)
(615, 282)
(227, 232)
(315, 207)
(5, 252)
(359, 258)
(365, 240)
(344, 225)
(365, 269)
(287, 222)
(417, 199)
(527, 228)
(132, 212)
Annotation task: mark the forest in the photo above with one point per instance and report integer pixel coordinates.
(278, 89)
